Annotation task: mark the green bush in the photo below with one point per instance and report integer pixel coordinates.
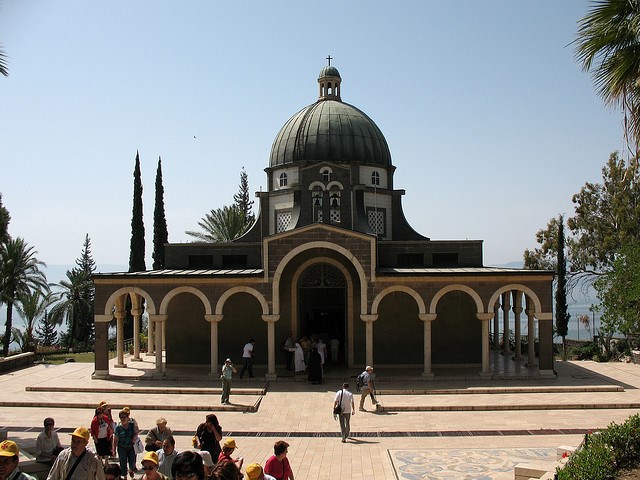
(592, 462)
(603, 454)
(586, 352)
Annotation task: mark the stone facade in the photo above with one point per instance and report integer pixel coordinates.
(330, 254)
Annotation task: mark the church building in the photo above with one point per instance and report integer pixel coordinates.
(330, 253)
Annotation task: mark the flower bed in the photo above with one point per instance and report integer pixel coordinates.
(603, 454)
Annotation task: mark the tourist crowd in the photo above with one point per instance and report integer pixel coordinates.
(118, 444)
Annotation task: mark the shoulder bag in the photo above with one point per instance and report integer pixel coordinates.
(337, 409)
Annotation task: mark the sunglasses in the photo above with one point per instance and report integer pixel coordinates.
(150, 467)
(185, 474)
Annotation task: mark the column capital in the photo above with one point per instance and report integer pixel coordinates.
(427, 317)
(102, 318)
(158, 318)
(214, 318)
(529, 312)
(136, 312)
(506, 306)
(485, 316)
(119, 314)
(368, 317)
(270, 318)
(517, 310)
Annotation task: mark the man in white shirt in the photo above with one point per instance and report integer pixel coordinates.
(344, 399)
(48, 444)
(247, 358)
(77, 462)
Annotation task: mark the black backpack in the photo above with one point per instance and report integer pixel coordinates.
(360, 380)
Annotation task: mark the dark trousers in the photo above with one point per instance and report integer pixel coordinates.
(247, 366)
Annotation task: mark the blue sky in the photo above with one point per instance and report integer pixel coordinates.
(491, 123)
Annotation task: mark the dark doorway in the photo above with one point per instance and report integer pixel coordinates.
(322, 297)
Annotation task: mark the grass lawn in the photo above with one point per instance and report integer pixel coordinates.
(58, 358)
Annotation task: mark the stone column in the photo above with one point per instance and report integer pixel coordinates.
(496, 326)
(213, 328)
(518, 335)
(368, 323)
(151, 341)
(506, 306)
(158, 320)
(427, 318)
(271, 345)
(545, 345)
(101, 368)
(531, 334)
(120, 314)
(137, 313)
(485, 318)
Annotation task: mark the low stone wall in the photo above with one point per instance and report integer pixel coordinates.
(15, 362)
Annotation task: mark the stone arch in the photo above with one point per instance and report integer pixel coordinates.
(308, 246)
(251, 291)
(176, 291)
(453, 287)
(516, 286)
(108, 306)
(334, 183)
(398, 288)
(318, 184)
(349, 306)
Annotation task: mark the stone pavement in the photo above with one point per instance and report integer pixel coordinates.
(465, 428)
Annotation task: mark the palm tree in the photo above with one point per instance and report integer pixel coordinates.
(19, 273)
(72, 303)
(4, 70)
(608, 46)
(222, 225)
(32, 306)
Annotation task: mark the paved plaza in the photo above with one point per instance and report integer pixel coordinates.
(462, 427)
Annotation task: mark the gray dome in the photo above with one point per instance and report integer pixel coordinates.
(333, 131)
(329, 71)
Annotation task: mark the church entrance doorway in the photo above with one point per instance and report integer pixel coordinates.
(322, 296)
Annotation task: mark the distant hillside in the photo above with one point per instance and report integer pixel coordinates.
(519, 264)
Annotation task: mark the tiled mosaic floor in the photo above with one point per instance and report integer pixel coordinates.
(464, 463)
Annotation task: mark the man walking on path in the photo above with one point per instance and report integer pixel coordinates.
(344, 399)
(247, 358)
(227, 374)
(368, 387)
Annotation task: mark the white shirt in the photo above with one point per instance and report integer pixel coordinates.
(347, 400)
(247, 351)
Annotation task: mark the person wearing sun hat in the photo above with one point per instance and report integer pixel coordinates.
(150, 467)
(77, 462)
(9, 459)
(255, 472)
(228, 447)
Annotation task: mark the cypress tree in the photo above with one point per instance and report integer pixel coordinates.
(87, 265)
(136, 255)
(241, 199)
(46, 331)
(562, 314)
(160, 233)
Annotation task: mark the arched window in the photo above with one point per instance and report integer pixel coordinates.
(326, 176)
(375, 179)
(283, 179)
